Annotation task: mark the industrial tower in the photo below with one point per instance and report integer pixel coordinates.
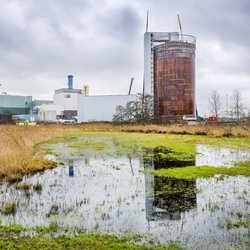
(169, 72)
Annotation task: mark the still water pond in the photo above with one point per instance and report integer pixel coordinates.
(110, 194)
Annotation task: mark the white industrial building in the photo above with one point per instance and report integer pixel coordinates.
(100, 108)
(48, 113)
(67, 98)
(70, 103)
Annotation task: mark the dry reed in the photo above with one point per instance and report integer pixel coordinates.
(216, 130)
(16, 151)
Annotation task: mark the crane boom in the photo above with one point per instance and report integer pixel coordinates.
(130, 87)
(179, 20)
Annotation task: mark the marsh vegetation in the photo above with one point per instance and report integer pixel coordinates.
(165, 186)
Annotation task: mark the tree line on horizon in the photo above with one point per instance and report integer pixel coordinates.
(141, 110)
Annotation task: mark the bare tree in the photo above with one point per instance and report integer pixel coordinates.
(135, 111)
(238, 109)
(215, 103)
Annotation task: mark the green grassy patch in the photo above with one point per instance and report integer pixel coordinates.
(239, 223)
(48, 151)
(18, 237)
(162, 154)
(162, 147)
(88, 144)
(245, 164)
(132, 144)
(194, 172)
(236, 224)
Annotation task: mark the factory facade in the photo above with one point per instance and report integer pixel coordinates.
(169, 73)
(18, 105)
(71, 104)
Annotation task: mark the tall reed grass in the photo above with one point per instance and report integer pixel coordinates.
(16, 151)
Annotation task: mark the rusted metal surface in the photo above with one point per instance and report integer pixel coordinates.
(174, 79)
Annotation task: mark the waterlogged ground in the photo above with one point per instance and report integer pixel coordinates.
(100, 186)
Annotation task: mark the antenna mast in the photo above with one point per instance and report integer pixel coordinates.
(179, 20)
(147, 22)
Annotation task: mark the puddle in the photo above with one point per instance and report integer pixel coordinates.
(208, 155)
(108, 194)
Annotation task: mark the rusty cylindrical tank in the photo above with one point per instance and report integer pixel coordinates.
(174, 77)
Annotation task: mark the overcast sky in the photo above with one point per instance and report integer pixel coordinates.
(100, 42)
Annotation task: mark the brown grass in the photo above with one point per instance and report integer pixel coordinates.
(217, 130)
(16, 151)
(17, 143)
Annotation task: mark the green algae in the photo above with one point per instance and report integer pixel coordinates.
(194, 172)
(18, 237)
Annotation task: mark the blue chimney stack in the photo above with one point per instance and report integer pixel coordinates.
(70, 82)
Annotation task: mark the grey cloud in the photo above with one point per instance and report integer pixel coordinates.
(101, 42)
(121, 23)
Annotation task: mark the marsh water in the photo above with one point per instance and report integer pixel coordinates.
(98, 191)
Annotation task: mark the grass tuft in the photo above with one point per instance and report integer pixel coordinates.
(37, 187)
(18, 237)
(194, 172)
(9, 208)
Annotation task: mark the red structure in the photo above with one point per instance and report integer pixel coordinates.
(212, 119)
(174, 78)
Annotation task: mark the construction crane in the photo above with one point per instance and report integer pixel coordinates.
(179, 20)
(130, 87)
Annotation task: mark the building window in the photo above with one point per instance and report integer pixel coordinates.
(67, 95)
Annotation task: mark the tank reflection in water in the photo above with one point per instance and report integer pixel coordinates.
(171, 197)
(112, 195)
(168, 197)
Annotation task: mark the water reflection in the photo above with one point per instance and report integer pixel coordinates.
(168, 162)
(219, 156)
(112, 195)
(167, 198)
(71, 168)
(174, 196)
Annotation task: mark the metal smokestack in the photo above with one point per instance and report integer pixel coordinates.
(70, 82)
